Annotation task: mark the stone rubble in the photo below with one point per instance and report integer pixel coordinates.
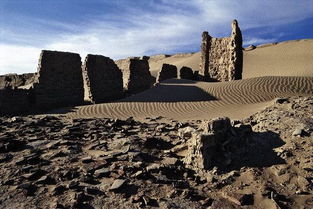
(55, 162)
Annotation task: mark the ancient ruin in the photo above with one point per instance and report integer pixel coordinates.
(186, 73)
(15, 80)
(15, 101)
(214, 144)
(136, 74)
(167, 72)
(221, 58)
(59, 82)
(102, 78)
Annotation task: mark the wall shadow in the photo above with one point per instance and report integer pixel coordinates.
(256, 150)
(171, 93)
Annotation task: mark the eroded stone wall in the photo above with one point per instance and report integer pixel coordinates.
(103, 79)
(221, 58)
(16, 80)
(15, 101)
(167, 72)
(186, 73)
(136, 74)
(59, 82)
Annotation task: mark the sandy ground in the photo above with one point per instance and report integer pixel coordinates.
(270, 71)
(291, 58)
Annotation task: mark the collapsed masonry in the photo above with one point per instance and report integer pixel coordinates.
(221, 58)
(102, 78)
(167, 72)
(136, 74)
(15, 80)
(216, 143)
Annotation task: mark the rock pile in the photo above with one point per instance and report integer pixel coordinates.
(167, 72)
(59, 81)
(103, 79)
(221, 58)
(136, 74)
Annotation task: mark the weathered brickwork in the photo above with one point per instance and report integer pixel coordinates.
(167, 72)
(15, 80)
(15, 101)
(59, 82)
(102, 78)
(136, 74)
(186, 73)
(221, 58)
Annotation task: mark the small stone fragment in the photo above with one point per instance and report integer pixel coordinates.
(117, 185)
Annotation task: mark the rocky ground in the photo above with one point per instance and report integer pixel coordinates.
(265, 161)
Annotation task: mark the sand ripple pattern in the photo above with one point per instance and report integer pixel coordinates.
(200, 100)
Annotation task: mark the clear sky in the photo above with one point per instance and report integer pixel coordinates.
(122, 28)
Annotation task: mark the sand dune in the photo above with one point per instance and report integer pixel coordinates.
(201, 100)
(291, 58)
(270, 71)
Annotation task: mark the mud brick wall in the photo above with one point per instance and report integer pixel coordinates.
(167, 72)
(221, 58)
(15, 80)
(136, 74)
(15, 101)
(59, 82)
(186, 73)
(103, 79)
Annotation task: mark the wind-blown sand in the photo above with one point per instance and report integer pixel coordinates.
(270, 71)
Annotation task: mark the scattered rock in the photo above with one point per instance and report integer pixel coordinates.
(118, 185)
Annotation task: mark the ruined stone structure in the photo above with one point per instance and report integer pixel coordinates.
(15, 80)
(186, 73)
(59, 82)
(136, 74)
(103, 79)
(15, 101)
(215, 143)
(221, 58)
(167, 72)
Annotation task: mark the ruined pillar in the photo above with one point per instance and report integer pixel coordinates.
(205, 49)
(221, 58)
(235, 70)
(102, 78)
(59, 82)
(186, 73)
(136, 74)
(167, 72)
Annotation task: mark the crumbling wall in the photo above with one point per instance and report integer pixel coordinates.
(216, 143)
(15, 80)
(221, 58)
(167, 72)
(186, 73)
(136, 74)
(103, 79)
(15, 101)
(59, 82)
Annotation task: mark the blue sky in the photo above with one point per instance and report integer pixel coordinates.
(122, 28)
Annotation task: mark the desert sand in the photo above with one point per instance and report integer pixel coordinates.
(269, 71)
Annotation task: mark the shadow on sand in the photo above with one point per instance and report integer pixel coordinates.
(257, 151)
(172, 92)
